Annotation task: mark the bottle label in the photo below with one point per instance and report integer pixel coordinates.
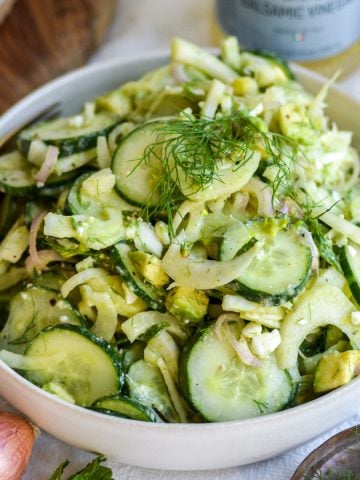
(293, 29)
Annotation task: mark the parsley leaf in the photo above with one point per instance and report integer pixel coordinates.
(59, 471)
(93, 471)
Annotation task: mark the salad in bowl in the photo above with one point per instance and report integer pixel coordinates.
(186, 249)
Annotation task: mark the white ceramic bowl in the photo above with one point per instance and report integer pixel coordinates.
(175, 446)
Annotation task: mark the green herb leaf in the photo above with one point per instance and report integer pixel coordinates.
(93, 471)
(59, 471)
(323, 243)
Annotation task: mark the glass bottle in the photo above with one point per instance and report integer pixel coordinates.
(321, 34)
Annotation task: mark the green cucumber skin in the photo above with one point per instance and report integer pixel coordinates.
(295, 388)
(155, 299)
(185, 375)
(277, 61)
(273, 299)
(73, 204)
(100, 342)
(146, 414)
(349, 275)
(114, 169)
(127, 199)
(112, 413)
(115, 161)
(198, 336)
(71, 145)
(52, 188)
(40, 296)
(76, 312)
(18, 191)
(7, 212)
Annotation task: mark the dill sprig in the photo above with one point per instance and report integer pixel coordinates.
(192, 149)
(283, 152)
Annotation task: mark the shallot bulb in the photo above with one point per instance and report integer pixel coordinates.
(17, 438)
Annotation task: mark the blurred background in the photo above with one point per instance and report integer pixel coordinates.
(41, 39)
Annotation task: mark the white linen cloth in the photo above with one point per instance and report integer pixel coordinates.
(141, 26)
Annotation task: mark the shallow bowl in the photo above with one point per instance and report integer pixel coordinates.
(171, 446)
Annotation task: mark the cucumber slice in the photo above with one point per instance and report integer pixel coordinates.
(86, 366)
(93, 194)
(15, 174)
(75, 204)
(132, 353)
(349, 257)
(127, 408)
(221, 388)
(137, 165)
(234, 239)
(153, 296)
(7, 213)
(144, 325)
(280, 271)
(5, 298)
(68, 138)
(136, 182)
(320, 306)
(31, 310)
(52, 279)
(146, 384)
(17, 177)
(277, 61)
(91, 233)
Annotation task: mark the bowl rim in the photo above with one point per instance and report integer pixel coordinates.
(261, 420)
(160, 55)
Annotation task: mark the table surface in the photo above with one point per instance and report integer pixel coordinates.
(137, 29)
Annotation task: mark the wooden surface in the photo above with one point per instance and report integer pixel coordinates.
(42, 39)
(5, 7)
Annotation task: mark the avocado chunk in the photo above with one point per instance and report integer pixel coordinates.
(115, 101)
(295, 124)
(187, 304)
(336, 370)
(150, 268)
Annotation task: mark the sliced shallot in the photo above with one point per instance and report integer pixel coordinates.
(48, 165)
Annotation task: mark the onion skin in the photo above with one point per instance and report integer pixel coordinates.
(17, 438)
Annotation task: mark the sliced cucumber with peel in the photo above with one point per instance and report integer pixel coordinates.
(322, 305)
(126, 407)
(276, 61)
(31, 310)
(153, 296)
(75, 204)
(280, 270)
(146, 385)
(221, 388)
(86, 366)
(69, 138)
(15, 174)
(136, 179)
(233, 240)
(17, 177)
(349, 257)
